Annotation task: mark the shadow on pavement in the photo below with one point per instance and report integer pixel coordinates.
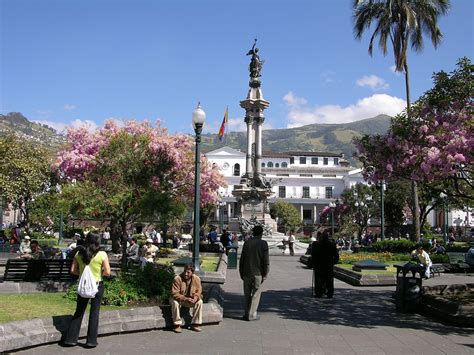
(350, 307)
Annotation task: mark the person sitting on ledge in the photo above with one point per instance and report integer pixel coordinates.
(186, 291)
(422, 257)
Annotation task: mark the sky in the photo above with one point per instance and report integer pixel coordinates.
(76, 62)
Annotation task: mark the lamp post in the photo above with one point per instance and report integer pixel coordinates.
(443, 197)
(199, 116)
(332, 206)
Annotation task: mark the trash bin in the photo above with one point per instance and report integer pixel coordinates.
(409, 288)
(232, 256)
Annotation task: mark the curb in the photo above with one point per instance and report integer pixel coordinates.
(28, 333)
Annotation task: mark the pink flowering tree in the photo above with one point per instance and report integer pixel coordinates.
(435, 147)
(132, 172)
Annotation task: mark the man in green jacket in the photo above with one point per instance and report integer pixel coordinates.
(254, 266)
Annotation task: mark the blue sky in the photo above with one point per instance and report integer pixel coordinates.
(86, 61)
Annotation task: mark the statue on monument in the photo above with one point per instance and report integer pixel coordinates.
(256, 64)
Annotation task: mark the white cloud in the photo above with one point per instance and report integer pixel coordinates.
(60, 127)
(291, 100)
(373, 82)
(69, 107)
(78, 123)
(367, 107)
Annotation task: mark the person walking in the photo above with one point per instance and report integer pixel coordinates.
(98, 261)
(291, 243)
(254, 266)
(324, 256)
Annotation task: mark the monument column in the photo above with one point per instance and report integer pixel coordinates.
(248, 162)
(258, 144)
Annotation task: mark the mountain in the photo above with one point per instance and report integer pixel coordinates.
(335, 138)
(16, 123)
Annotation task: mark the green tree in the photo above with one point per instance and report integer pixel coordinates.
(403, 22)
(361, 204)
(287, 215)
(25, 173)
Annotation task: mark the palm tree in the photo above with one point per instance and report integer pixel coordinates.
(403, 22)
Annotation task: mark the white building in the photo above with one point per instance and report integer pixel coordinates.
(308, 180)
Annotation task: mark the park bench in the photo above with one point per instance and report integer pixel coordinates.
(458, 261)
(38, 270)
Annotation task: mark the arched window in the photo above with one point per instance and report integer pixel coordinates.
(263, 165)
(270, 164)
(277, 165)
(284, 165)
(237, 170)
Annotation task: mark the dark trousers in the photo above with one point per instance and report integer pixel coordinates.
(323, 282)
(292, 250)
(75, 327)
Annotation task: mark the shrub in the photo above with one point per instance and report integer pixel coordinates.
(439, 259)
(457, 248)
(135, 285)
(397, 246)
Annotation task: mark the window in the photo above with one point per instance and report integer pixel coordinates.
(302, 160)
(282, 174)
(263, 165)
(328, 191)
(284, 165)
(336, 161)
(270, 164)
(325, 161)
(282, 191)
(314, 161)
(307, 214)
(305, 191)
(306, 175)
(292, 160)
(237, 170)
(277, 165)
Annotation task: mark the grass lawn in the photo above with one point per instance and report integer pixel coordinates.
(390, 270)
(208, 263)
(36, 305)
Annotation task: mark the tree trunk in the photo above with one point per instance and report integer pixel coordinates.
(414, 184)
(123, 225)
(115, 236)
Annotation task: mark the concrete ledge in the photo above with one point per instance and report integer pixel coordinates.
(33, 332)
(435, 303)
(360, 279)
(31, 287)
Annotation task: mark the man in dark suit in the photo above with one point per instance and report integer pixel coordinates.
(324, 256)
(254, 266)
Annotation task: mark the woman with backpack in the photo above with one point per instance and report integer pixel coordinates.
(97, 261)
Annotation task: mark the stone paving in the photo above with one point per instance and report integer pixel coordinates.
(357, 320)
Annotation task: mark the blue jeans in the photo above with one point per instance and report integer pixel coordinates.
(75, 327)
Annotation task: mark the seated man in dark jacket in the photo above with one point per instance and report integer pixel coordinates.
(324, 256)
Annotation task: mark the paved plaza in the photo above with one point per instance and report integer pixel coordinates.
(355, 321)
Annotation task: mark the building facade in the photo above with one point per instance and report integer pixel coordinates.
(307, 180)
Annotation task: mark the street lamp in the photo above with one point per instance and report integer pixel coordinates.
(443, 198)
(199, 117)
(332, 206)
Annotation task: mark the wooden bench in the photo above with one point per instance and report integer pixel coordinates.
(38, 270)
(458, 260)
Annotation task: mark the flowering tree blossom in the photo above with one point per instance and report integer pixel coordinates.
(131, 172)
(436, 145)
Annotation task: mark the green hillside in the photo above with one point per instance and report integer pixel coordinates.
(335, 138)
(16, 123)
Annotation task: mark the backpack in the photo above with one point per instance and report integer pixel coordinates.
(87, 287)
